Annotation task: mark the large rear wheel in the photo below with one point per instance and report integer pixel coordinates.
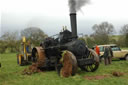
(38, 56)
(91, 67)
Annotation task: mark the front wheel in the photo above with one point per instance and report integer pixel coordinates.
(67, 65)
(91, 67)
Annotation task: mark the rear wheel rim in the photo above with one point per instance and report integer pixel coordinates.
(92, 67)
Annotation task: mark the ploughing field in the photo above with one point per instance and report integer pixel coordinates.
(11, 74)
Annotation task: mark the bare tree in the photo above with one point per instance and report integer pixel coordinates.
(3, 46)
(9, 40)
(102, 31)
(124, 31)
(34, 34)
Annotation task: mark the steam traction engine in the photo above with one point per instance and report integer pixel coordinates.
(67, 41)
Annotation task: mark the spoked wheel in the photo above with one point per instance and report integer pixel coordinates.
(92, 67)
(67, 65)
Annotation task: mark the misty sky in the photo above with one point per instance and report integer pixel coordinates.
(51, 15)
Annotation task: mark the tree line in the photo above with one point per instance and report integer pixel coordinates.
(11, 41)
(102, 34)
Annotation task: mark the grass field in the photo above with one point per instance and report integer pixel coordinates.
(124, 48)
(10, 74)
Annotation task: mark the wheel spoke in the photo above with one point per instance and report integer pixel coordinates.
(94, 66)
(91, 68)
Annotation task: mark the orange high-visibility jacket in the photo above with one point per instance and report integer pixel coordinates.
(97, 50)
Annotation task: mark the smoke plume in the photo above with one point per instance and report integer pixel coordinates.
(75, 5)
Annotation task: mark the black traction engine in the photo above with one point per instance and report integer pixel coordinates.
(85, 58)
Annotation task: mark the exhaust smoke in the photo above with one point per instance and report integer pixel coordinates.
(75, 5)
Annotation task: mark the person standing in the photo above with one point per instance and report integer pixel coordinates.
(110, 55)
(105, 55)
(28, 46)
(97, 49)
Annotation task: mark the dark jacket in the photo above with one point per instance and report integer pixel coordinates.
(111, 52)
(108, 52)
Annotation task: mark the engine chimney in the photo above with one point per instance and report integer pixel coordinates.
(73, 24)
